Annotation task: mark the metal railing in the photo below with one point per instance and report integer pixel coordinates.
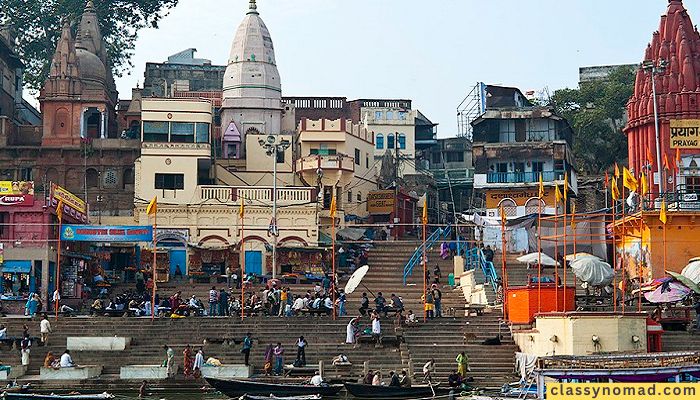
(475, 259)
(417, 256)
(523, 177)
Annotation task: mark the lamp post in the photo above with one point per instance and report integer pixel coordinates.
(272, 147)
(656, 68)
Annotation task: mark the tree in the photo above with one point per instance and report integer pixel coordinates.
(37, 25)
(596, 112)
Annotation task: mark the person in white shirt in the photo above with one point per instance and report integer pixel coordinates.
(67, 360)
(3, 332)
(298, 305)
(45, 329)
(328, 304)
(317, 379)
(376, 329)
(428, 370)
(199, 360)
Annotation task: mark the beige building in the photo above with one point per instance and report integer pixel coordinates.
(394, 129)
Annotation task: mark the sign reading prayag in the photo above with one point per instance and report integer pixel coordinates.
(16, 193)
(87, 233)
(72, 204)
(380, 202)
(685, 133)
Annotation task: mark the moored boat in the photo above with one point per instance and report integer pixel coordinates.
(363, 391)
(240, 387)
(273, 397)
(37, 396)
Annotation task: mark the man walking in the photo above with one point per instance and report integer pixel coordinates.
(278, 352)
(301, 352)
(376, 330)
(169, 360)
(247, 345)
(437, 299)
(213, 301)
(223, 303)
(45, 329)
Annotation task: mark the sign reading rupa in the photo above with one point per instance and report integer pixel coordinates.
(16, 193)
(380, 202)
(685, 133)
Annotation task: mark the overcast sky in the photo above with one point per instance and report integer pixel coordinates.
(430, 51)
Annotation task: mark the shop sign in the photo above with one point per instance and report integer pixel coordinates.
(72, 204)
(179, 235)
(380, 202)
(17, 193)
(520, 197)
(685, 133)
(89, 233)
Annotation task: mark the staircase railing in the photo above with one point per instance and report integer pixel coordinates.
(418, 254)
(476, 259)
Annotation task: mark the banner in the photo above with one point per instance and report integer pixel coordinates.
(16, 193)
(380, 202)
(88, 233)
(2, 252)
(72, 204)
(685, 133)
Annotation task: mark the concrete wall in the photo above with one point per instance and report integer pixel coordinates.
(394, 125)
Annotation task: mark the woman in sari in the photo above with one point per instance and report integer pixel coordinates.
(269, 352)
(188, 362)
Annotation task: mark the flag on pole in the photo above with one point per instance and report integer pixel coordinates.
(541, 191)
(152, 208)
(557, 194)
(678, 158)
(566, 188)
(645, 185)
(573, 216)
(241, 208)
(614, 190)
(59, 211)
(607, 179)
(425, 211)
(666, 164)
(628, 180)
(503, 216)
(662, 214)
(333, 207)
(617, 171)
(650, 157)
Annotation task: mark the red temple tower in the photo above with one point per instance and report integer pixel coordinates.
(674, 54)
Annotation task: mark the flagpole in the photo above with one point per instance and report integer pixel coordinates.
(333, 261)
(573, 232)
(614, 246)
(242, 256)
(504, 277)
(623, 267)
(425, 264)
(556, 255)
(58, 262)
(539, 256)
(563, 265)
(153, 294)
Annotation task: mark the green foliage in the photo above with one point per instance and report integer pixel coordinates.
(37, 24)
(596, 113)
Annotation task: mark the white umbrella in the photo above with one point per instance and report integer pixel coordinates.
(692, 271)
(594, 271)
(537, 258)
(576, 256)
(356, 279)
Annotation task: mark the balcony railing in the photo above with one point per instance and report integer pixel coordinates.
(523, 177)
(325, 162)
(256, 195)
(455, 175)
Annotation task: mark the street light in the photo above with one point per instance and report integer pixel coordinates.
(272, 146)
(656, 68)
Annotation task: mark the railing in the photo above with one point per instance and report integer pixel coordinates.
(476, 259)
(455, 175)
(326, 162)
(417, 256)
(256, 195)
(523, 177)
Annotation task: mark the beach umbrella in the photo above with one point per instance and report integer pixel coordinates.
(686, 281)
(356, 279)
(274, 281)
(669, 292)
(593, 270)
(576, 256)
(536, 258)
(692, 270)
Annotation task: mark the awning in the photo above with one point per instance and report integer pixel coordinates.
(352, 233)
(16, 266)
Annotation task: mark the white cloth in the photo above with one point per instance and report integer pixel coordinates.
(199, 360)
(25, 357)
(376, 327)
(350, 334)
(45, 326)
(317, 380)
(428, 367)
(298, 304)
(66, 361)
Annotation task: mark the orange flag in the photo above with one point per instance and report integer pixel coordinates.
(678, 158)
(617, 171)
(662, 215)
(650, 157)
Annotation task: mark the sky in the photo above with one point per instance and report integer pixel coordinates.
(430, 51)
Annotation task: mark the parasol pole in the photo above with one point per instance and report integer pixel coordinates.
(333, 288)
(153, 294)
(424, 222)
(59, 214)
(539, 256)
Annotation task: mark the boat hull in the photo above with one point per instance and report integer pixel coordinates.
(362, 391)
(236, 388)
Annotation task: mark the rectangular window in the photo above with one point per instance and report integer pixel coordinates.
(155, 131)
(202, 134)
(182, 132)
(359, 197)
(349, 196)
(537, 167)
(402, 115)
(377, 115)
(357, 156)
(380, 141)
(402, 141)
(170, 181)
(389, 115)
(280, 157)
(367, 160)
(692, 184)
(26, 174)
(437, 158)
(454, 156)
(390, 141)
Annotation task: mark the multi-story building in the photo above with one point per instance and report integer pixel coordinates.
(516, 142)
(450, 163)
(182, 72)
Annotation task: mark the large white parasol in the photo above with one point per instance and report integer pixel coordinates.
(576, 256)
(692, 270)
(356, 279)
(538, 258)
(593, 270)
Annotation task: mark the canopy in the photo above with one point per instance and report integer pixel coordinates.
(576, 256)
(686, 281)
(593, 271)
(538, 258)
(668, 292)
(352, 233)
(16, 266)
(355, 279)
(692, 271)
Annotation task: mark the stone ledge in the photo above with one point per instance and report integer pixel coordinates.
(15, 372)
(141, 372)
(71, 373)
(80, 343)
(227, 371)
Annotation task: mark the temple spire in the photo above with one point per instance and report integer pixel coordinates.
(253, 7)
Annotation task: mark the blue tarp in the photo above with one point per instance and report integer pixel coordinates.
(16, 266)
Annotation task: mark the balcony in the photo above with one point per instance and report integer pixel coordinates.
(524, 177)
(313, 163)
(461, 175)
(255, 195)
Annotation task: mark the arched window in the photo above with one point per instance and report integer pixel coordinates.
(390, 141)
(509, 207)
(532, 206)
(402, 141)
(91, 177)
(380, 141)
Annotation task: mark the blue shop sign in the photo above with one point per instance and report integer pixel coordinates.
(16, 266)
(88, 233)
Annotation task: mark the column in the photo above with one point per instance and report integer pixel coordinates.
(82, 123)
(103, 122)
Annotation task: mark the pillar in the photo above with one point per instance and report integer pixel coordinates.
(103, 122)
(82, 123)
(321, 369)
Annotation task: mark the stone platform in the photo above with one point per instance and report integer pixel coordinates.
(227, 371)
(143, 372)
(71, 373)
(80, 343)
(15, 372)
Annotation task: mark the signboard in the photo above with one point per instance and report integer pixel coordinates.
(72, 204)
(16, 193)
(2, 252)
(685, 134)
(519, 196)
(88, 233)
(380, 202)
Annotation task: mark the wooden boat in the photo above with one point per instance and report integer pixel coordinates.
(363, 391)
(273, 397)
(36, 396)
(239, 387)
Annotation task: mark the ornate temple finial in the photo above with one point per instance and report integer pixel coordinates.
(253, 8)
(90, 6)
